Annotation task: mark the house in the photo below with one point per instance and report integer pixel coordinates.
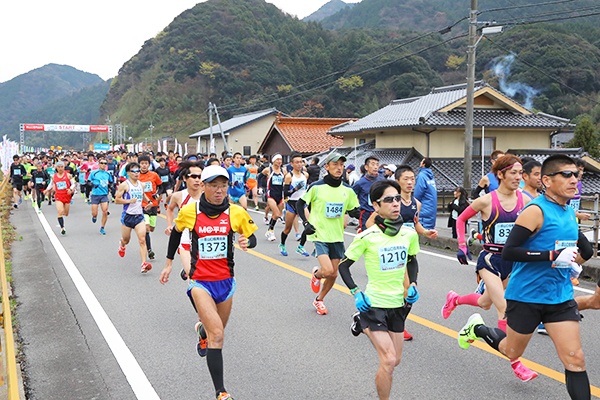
(243, 133)
(434, 124)
(307, 136)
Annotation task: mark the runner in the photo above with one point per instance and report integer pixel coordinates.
(237, 182)
(167, 185)
(543, 245)
(29, 167)
(499, 210)
(63, 185)
(251, 179)
(532, 177)
(39, 182)
(329, 199)
(294, 187)
(362, 187)
(101, 179)
(212, 282)
(17, 172)
(151, 182)
(388, 248)
(274, 194)
(131, 194)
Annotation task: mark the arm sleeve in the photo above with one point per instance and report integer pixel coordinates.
(478, 190)
(462, 220)
(585, 247)
(412, 267)
(174, 240)
(514, 252)
(344, 270)
(300, 204)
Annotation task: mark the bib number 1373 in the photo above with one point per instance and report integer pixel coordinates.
(212, 247)
(392, 258)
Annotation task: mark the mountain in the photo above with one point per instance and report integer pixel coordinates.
(30, 91)
(327, 10)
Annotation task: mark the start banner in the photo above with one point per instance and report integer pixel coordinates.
(65, 128)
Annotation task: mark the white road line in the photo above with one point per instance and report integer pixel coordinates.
(429, 253)
(142, 388)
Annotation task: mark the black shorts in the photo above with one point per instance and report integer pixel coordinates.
(524, 318)
(383, 319)
(18, 186)
(152, 211)
(495, 264)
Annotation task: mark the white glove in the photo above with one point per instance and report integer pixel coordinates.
(566, 257)
(576, 269)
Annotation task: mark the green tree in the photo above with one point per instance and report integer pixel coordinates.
(586, 137)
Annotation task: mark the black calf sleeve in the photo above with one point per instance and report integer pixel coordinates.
(272, 224)
(578, 385)
(214, 361)
(283, 238)
(148, 244)
(61, 222)
(492, 336)
(303, 238)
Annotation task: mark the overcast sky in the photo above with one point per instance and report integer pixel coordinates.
(91, 35)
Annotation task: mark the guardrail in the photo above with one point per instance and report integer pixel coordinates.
(6, 321)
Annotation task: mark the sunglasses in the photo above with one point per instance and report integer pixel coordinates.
(390, 199)
(135, 171)
(566, 174)
(194, 176)
(103, 163)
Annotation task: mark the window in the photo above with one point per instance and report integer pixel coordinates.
(489, 145)
(285, 159)
(362, 141)
(247, 151)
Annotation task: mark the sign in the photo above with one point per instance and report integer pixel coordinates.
(101, 147)
(65, 128)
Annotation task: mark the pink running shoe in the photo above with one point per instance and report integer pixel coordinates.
(450, 304)
(121, 250)
(522, 372)
(321, 310)
(315, 283)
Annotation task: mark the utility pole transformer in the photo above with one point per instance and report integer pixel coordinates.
(470, 97)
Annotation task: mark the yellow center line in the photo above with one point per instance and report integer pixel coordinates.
(550, 373)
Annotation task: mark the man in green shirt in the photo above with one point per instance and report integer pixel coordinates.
(387, 248)
(329, 199)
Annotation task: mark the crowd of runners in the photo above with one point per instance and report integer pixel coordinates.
(529, 212)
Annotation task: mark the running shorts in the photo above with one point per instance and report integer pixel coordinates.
(150, 216)
(18, 186)
(183, 246)
(495, 264)
(63, 198)
(220, 291)
(524, 318)
(99, 198)
(131, 220)
(291, 206)
(235, 199)
(383, 319)
(335, 251)
(277, 197)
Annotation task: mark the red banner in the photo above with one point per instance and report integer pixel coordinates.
(98, 128)
(34, 127)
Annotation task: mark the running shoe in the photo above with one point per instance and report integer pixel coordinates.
(298, 236)
(256, 208)
(542, 329)
(146, 267)
(224, 396)
(318, 304)
(522, 372)
(480, 288)
(300, 250)
(315, 283)
(94, 219)
(355, 327)
(121, 250)
(283, 250)
(20, 200)
(151, 254)
(102, 231)
(575, 281)
(183, 275)
(63, 231)
(472, 237)
(466, 335)
(16, 206)
(88, 201)
(202, 347)
(266, 220)
(407, 336)
(450, 305)
(270, 235)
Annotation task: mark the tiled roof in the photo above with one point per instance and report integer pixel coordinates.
(309, 135)
(236, 122)
(494, 119)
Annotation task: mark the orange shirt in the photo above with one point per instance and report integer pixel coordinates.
(150, 180)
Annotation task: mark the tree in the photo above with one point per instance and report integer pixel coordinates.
(586, 137)
(454, 62)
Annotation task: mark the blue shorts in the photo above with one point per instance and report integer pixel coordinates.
(335, 251)
(99, 198)
(291, 206)
(234, 199)
(132, 220)
(495, 264)
(220, 291)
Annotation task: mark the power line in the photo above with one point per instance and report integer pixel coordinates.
(524, 6)
(551, 19)
(551, 13)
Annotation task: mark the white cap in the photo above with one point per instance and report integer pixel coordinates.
(391, 167)
(213, 171)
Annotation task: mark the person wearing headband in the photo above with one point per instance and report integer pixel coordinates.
(275, 178)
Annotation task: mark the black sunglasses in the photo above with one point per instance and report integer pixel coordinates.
(103, 163)
(566, 174)
(194, 176)
(390, 199)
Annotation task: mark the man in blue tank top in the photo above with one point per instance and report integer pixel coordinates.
(543, 244)
(489, 182)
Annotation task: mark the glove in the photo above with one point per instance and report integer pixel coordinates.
(413, 294)
(299, 186)
(355, 213)
(462, 255)
(309, 228)
(96, 184)
(576, 269)
(566, 256)
(362, 302)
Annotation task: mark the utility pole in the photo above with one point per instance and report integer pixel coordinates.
(107, 123)
(210, 112)
(470, 96)
(151, 128)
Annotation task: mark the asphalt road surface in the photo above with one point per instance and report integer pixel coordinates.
(94, 327)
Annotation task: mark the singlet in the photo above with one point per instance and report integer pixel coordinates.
(494, 184)
(187, 199)
(136, 192)
(546, 282)
(237, 176)
(61, 184)
(275, 185)
(295, 182)
(500, 222)
(409, 212)
(252, 174)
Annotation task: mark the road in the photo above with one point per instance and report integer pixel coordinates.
(276, 346)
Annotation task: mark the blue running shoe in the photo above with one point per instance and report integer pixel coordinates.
(94, 219)
(300, 250)
(283, 250)
(481, 287)
(102, 231)
(542, 329)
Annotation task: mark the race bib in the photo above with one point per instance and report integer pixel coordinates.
(277, 180)
(212, 247)
(392, 258)
(252, 176)
(104, 183)
(238, 177)
(575, 204)
(410, 225)
(147, 187)
(334, 210)
(561, 244)
(82, 177)
(17, 172)
(164, 178)
(138, 195)
(39, 181)
(501, 231)
(61, 185)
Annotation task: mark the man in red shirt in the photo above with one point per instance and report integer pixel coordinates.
(151, 181)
